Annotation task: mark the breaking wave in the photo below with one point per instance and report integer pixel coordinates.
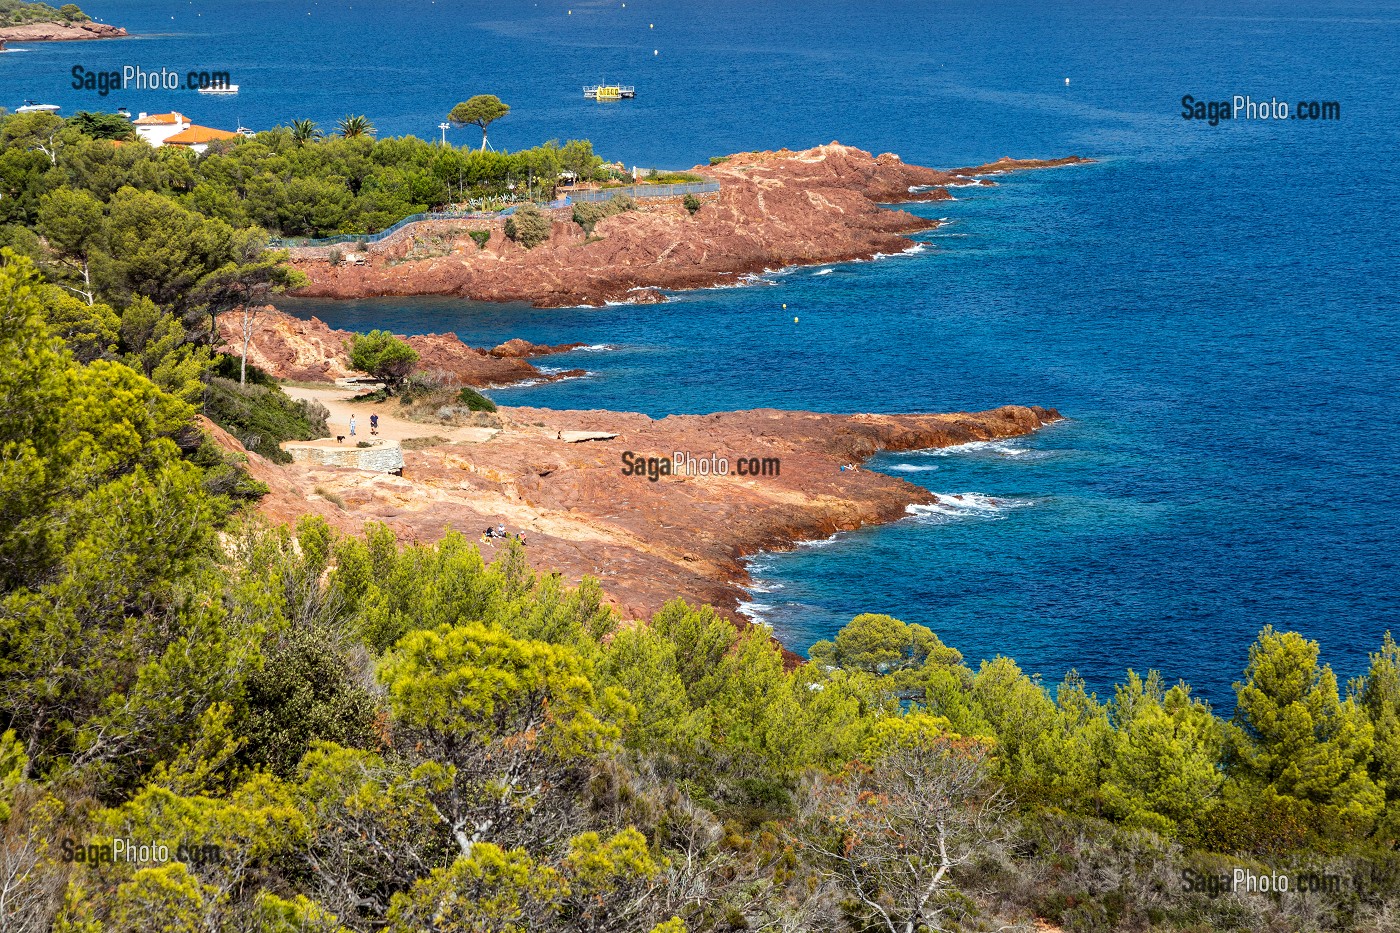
(964, 505)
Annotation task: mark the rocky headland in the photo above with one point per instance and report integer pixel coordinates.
(773, 209)
(286, 347)
(562, 478)
(59, 32)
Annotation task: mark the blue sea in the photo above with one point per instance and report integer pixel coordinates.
(1216, 310)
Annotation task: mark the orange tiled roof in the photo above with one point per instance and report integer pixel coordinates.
(195, 135)
(162, 119)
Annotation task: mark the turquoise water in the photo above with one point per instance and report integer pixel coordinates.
(1214, 308)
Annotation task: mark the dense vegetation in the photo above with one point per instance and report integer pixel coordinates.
(338, 733)
(19, 12)
(289, 181)
(335, 733)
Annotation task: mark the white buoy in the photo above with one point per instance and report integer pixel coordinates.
(656, 51)
(1066, 82)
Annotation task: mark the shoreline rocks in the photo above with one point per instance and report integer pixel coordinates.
(60, 32)
(680, 534)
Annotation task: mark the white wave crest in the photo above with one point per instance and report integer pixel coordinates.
(912, 468)
(754, 611)
(996, 448)
(817, 542)
(911, 251)
(964, 504)
(826, 271)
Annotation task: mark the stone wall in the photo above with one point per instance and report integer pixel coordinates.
(383, 456)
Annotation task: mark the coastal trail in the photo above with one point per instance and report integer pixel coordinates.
(339, 401)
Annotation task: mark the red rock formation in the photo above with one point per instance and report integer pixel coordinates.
(59, 32)
(648, 541)
(1008, 164)
(289, 348)
(523, 349)
(774, 209)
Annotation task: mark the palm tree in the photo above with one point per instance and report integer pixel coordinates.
(305, 131)
(354, 127)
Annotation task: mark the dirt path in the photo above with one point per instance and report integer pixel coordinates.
(392, 425)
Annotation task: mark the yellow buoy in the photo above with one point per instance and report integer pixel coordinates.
(794, 320)
(784, 307)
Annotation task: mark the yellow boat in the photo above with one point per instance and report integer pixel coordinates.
(610, 92)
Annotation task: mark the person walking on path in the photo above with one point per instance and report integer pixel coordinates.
(352, 425)
(374, 424)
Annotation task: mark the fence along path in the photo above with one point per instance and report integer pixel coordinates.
(575, 197)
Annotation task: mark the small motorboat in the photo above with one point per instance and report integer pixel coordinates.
(31, 107)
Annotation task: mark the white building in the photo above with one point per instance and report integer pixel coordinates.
(175, 129)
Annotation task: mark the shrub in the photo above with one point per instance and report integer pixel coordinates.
(262, 416)
(335, 257)
(529, 227)
(691, 203)
(383, 356)
(474, 400)
(672, 178)
(225, 472)
(480, 237)
(587, 214)
(718, 160)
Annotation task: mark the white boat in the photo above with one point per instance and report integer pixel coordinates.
(31, 107)
(221, 89)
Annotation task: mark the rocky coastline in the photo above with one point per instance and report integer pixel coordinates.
(774, 209)
(563, 479)
(59, 32)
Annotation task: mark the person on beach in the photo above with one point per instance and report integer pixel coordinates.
(373, 424)
(501, 530)
(352, 425)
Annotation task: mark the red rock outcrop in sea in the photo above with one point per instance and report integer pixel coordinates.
(774, 209)
(59, 32)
